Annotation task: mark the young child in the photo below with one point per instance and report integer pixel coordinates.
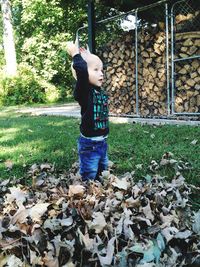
(92, 143)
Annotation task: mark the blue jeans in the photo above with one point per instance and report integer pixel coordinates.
(93, 158)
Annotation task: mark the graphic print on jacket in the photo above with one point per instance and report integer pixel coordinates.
(100, 101)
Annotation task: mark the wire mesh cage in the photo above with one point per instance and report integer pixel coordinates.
(133, 49)
(152, 58)
(185, 45)
(145, 54)
(116, 48)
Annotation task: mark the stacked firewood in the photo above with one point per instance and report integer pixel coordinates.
(152, 74)
(119, 59)
(187, 84)
(120, 81)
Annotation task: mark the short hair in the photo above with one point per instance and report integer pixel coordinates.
(89, 58)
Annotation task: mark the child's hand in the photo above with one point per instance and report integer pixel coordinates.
(85, 53)
(72, 48)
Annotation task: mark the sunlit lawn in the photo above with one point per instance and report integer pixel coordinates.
(25, 140)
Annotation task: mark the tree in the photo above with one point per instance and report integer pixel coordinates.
(8, 39)
(42, 28)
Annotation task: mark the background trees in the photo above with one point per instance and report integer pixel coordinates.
(8, 38)
(41, 30)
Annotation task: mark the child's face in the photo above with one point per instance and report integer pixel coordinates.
(95, 70)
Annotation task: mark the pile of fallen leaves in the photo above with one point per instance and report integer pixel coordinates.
(60, 221)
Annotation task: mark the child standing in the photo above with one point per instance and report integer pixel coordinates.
(92, 143)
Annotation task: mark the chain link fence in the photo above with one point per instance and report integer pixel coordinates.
(140, 52)
(152, 57)
(118, 55)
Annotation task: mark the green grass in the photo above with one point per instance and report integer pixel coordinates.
(27, 140)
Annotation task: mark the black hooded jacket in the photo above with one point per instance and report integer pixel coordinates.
(93, 101)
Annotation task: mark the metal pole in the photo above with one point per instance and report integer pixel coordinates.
(77, 34)
(187, 58)
(91, 26)
(167, 56)
(172, 61)
(136, 62)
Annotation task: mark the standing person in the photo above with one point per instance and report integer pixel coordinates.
(94, 129)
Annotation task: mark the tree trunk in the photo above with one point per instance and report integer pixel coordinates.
(8, 39)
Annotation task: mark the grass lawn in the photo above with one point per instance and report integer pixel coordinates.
(25, 140)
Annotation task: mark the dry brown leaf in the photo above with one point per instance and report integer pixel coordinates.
(164, 162)
(131, 202)
(67, 221)
(33, 169)
(166, 220)
(152, 136)
(121, 183)
(45, 166)
(106, 260)
(128, 233)
(178, 181)
(37, 211)
(50, 260)
(148, 264)
(119, 195)
(3, 260)
(34, 259)
(9, 164)
(183, 234)
(119, 227)
(172, 260)
(196, 223)
(139, 166)
(194, 142)
(91, 199)
(121, 208)
(20, 216)
(105, 174)
(136, 191)
(69, 264)
(148, 212)
(86, 240)
(16, 194)
(10, 261)
(76, 190)
(142, 219)
(98, 223)
(169, 232)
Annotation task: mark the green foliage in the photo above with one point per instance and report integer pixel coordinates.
(52, 93)
(48, 57)
(42, 29)
(26, 87)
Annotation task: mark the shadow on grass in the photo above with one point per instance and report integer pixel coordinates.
(28, 140)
